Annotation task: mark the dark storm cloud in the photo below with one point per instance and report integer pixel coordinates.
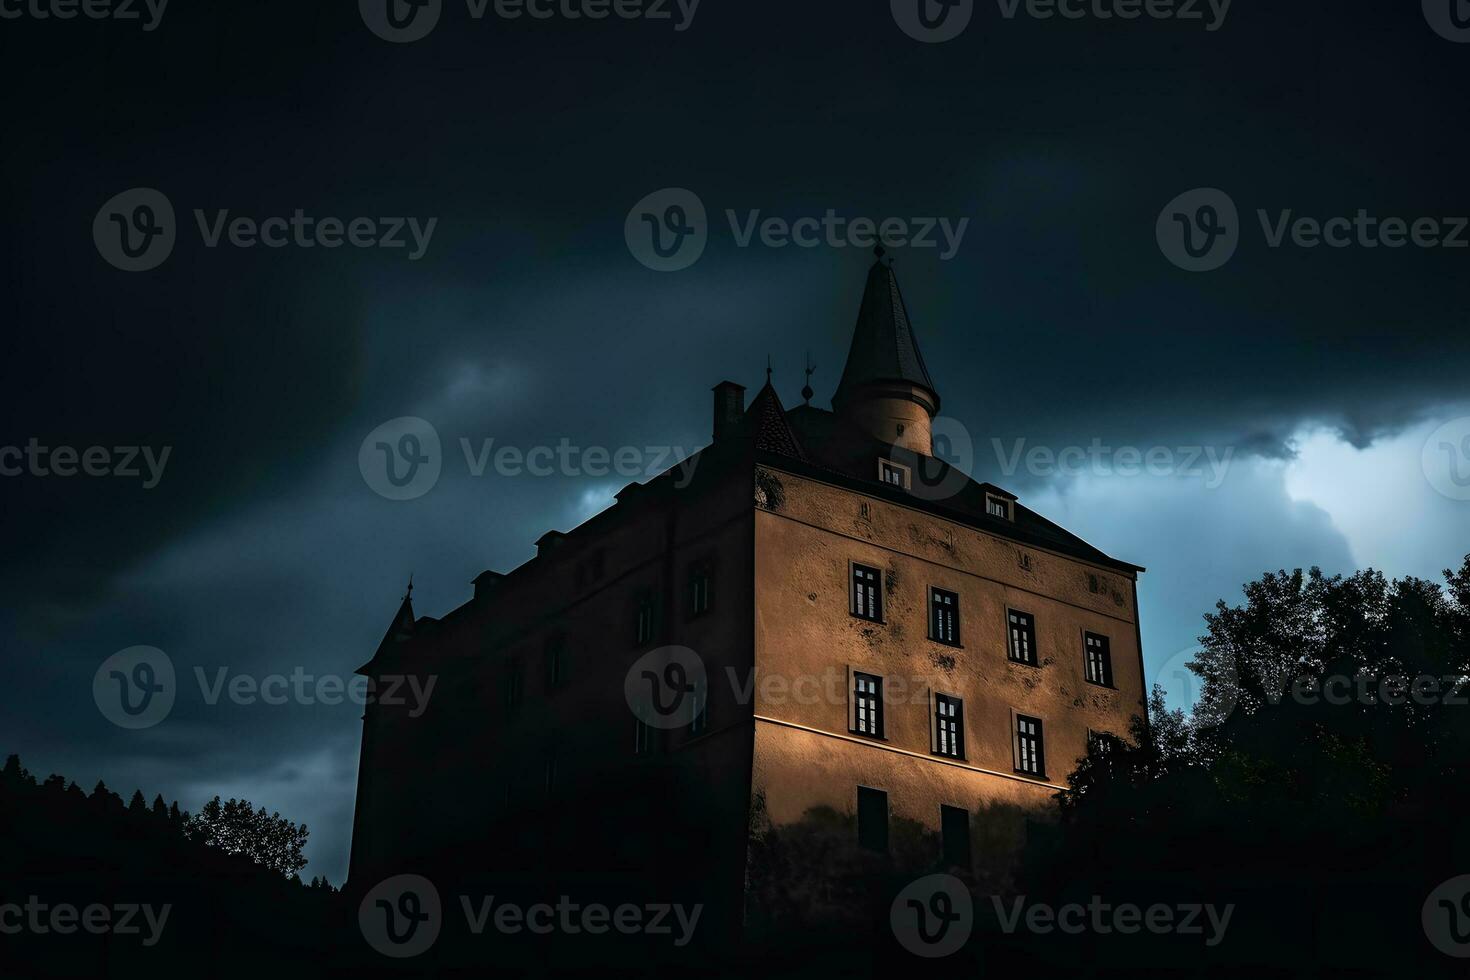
(527, 321)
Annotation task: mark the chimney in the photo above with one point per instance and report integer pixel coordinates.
(547, 541)
(729, 408)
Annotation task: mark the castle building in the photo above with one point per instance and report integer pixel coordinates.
(823, 617)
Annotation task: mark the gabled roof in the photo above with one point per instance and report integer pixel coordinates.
(884, 348)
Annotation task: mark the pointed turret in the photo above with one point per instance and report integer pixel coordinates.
(885, 388)
(766, 422)
(399, 630)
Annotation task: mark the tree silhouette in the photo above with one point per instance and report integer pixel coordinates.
(237, 827)
(1319, 784)
(69, 848)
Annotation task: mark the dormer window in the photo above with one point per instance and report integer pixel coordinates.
(893, 474)
(997, 507)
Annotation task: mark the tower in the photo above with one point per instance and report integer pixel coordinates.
(885, 389)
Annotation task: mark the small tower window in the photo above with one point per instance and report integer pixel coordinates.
(997, 507)
(893, 474)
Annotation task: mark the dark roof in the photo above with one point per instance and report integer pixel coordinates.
(883, 343)
(838, 452)
(766, 421)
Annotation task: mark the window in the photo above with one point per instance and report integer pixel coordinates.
(642, 737)
(556, 662)
(954, 827)
(1030, 756)
(949, 726)
(997, 507)
(645, 618)
(867, 705)
(1099, 659)
(872, 819)
(867, 598)
(1023, 637)
(698, 590)
(893, 474)
(514, 687)
(944, 617)
(699, 721)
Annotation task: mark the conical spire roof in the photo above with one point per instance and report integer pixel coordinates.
(402, 626)
(768, 425)
(884, 348)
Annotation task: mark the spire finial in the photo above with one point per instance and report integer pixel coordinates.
(409, 595)
(806, 391)
(768, 369)
(879, 251)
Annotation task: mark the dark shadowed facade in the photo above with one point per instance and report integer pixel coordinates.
(863, 637)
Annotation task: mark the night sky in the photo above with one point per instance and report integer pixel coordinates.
(1057, 321)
